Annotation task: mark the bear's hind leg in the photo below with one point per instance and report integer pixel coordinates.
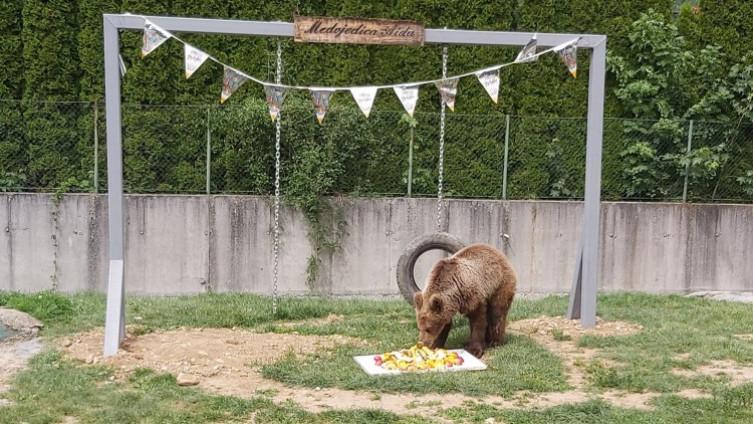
(499, 306)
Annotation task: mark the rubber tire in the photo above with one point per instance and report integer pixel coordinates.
(407, 262)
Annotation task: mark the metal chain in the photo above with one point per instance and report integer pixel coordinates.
(440, 184)
(276, 234)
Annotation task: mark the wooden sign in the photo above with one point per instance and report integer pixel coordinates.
(357, 31)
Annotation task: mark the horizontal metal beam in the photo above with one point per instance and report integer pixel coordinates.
(285, 29)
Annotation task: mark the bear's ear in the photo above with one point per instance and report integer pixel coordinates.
(436, 304)
(418, 299)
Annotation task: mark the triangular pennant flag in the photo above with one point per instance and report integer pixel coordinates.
(569, 55)
(528, 53)
(154, 36)
(448, 89)
(231, 81)
(194, 58)
(490, 80)
(321, 96)
(408, 95)
(364, 97)
(275, 97)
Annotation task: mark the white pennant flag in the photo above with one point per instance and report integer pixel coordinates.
(231, 81)
(408, 95)
(194, 58)
(275, 97)
(490, 80)
(528, 54)
(321, 96)
(568, 52)
(364, 97)
(448, 89)
(154, 36)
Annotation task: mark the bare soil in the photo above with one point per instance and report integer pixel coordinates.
(737, 373)
(226, 361)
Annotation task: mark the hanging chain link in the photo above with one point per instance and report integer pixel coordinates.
(440, 183)
(276, 234)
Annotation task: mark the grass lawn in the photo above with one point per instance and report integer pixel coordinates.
(678, 333)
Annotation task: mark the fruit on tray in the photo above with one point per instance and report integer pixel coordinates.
(418, 358)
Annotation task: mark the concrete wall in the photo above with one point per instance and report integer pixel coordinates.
(191, 244)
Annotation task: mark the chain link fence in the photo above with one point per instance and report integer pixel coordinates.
(60, 147)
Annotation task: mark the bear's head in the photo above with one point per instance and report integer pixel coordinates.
(434, 310)
(430, 318)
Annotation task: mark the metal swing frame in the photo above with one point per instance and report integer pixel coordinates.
(586, 279)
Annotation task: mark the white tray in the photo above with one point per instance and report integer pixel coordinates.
(470, 363)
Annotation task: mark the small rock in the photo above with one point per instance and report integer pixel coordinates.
(318, 388)
(67, 343)
(489, 421)
(187, 380)
(90, 359)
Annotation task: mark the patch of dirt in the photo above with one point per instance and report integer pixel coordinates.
(225, 361)
(329, 319)
(738, 374)
(744, 337)
(13, 358)
(200, 353)
(549, 326)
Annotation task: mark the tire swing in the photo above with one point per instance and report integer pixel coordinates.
(406, 280)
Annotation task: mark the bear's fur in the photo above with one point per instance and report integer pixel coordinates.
(478, 282)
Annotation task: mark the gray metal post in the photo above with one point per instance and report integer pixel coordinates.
(410, 163)
(96, 148)
(209, 154)
(589, 269)
(504, 163)
(687, 164)
(115, 318)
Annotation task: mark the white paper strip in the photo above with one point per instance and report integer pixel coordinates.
(231, 81)
(154, 36)
(408, 95)
(321, 96)
(569, 56)
(490, 81)
(364, 97)
(275, 97)
(448, 89)
(123, 69)
(193, 58)
(528, 53)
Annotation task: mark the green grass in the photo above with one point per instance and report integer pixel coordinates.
(53, 388)
(726, 407)
(701, 329)
(672, 325)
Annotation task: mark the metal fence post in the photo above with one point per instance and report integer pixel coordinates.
(687, 162)
(96, 148)
(410, 163)
(504, 163)
(209, 154)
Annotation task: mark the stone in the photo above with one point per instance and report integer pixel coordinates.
(187, 380)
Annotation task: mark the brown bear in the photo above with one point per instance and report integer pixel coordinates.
(478, 282)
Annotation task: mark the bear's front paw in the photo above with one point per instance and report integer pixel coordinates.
(475, 349)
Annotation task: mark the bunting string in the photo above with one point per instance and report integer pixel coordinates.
(364, 96)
